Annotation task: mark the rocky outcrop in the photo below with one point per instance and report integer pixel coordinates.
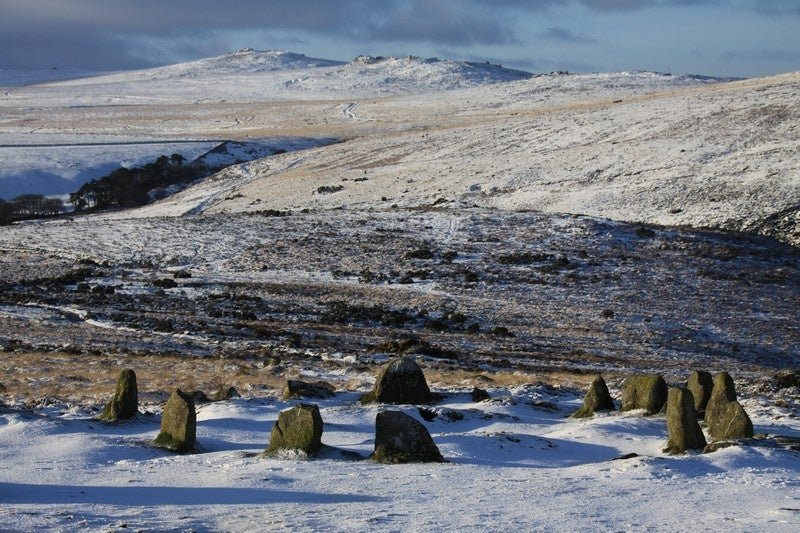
(178, 423)
(682, 427)
(400, 438)
(644, 391)
(597, 399)
(400, 382)
(297, 429)
(125, 403)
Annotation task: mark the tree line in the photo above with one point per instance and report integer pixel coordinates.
(122, 188)
(29, 206)
(134, 187)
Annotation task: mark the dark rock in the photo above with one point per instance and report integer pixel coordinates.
(225, 393)
(682, 427)
(298, 428)
(400, 382)
(412, 345)
(623, 457)
(165, 283)
(400, 438)
(787, 378)
(597, 399)
(200, 396)
(700, 384)
(712, 447)
(125, 403)
(479, 395)
(178, 423)
(644, 391)
(300, 389)
(722, 393)
(730, 422)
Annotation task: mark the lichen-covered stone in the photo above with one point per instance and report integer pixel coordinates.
(723, 393)
(730, 422)
(644, 391)
(298, 428)
(125, 403)
(400, 438)
(700, 384)
(682, 427)
(597, 399)
(400, 382)
(178, 423)
(300, 389)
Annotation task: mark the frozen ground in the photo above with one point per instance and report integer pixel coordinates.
(513, 464)
(440, 216)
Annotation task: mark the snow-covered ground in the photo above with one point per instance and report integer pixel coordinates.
(512, 466)
(417, 222)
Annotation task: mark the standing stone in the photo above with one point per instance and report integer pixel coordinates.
(722, 393)
(400, 382)
(644, 391)
(597, 399)
(730, 422)
(700, 384)
(178, 423)
(125, 403)
(298, 428)
(682, 427)
(225, 393)
(400, 438)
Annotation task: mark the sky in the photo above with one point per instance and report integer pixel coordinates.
(742, 38)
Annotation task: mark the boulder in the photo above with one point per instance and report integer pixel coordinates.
(730, 422)
(479, 395)
(400, 438)
(298, 428)
(682, 427)
(178, 423)
(644, 391)
(722, 393)
(785, 379)
(400, 382)
(300, 389)
(125, 403)
(700, 384)
(225, 393)
(597, 399)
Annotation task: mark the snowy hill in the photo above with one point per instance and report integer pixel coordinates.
(245, 61)
(637, 147)
(249, 75)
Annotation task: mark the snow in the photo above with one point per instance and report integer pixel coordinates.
(626, 146)
(511, 466)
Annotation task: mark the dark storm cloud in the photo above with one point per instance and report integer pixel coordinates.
(93, 31)
(107, 34)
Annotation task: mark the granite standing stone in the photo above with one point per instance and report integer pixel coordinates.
(682, 427)
(125, 403)
(597, 399)
(178, 423)
(644, 391)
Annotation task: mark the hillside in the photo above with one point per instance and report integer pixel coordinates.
(626, 147)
